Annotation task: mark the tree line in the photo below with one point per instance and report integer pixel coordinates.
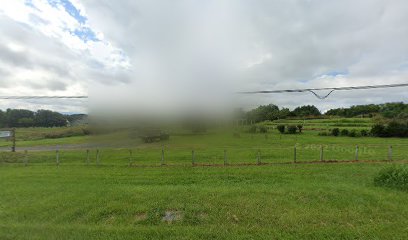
(272, 112)
(27, 118)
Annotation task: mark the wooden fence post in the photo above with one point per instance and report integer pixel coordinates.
(259, 157)
(356, 156)
(25, 158)
(321, 153)
(57, 157)
(225, 157)
(192, 157)
(97, 157)
(390, 153)
(162, 156)
(130, 157)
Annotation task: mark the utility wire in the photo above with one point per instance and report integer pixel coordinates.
(42, 97)
(332, 89)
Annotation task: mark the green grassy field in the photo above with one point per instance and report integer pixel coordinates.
(134, 197)
(317, 201)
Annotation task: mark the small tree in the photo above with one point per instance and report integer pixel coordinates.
(335, 132)
(344, 132)
(352, 133)
(378, 130)
(263, 129)
(300, 127)
(364, 133)
(281, 128)
(292, 129)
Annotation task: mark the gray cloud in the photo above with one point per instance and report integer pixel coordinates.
(183, 48)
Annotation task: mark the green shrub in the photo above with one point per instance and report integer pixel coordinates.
(300, 127)
(252, 129)
(323, 134)
(292, 129)
(281, 128)
(364, 133)
(393, 177)
(378, 130)
(263, 129)
(352, 133)
(344, 132)
(335, 132)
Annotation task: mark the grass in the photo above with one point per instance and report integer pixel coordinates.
(337, 201)
(280, 201)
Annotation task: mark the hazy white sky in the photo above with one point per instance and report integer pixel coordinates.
(175, 51)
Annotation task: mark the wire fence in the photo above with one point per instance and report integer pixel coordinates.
(172, 156)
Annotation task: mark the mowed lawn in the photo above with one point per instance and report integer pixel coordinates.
(294, 201)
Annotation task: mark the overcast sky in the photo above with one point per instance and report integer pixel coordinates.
(183, 49)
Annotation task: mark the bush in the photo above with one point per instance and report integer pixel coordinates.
(263, 129)
(252, 129)
(323, 134)
(335, 132)
(352, 133)
(344, 132)
(393, 177)
(396, 129)
(300, 127)
(292, 129)
(364, 133)
(378, 130)
(281, 128)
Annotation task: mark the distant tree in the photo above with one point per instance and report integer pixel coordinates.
(344, 132)
(281, 128)
(263, 129)
(300, 127)
(335, 132)
(47, 118)
(292, 129)
(14, 115)
(308, 110)
(2, 119)
(263, 113)
(378, 130)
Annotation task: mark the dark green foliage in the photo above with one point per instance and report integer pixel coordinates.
(264, 113)
(393, 177)
(252, 129)
(378, 130)
(344, 132)
(300, 127)
(352, 133)
(27, 118)
(335, 132)
(388, 110)
(308, 110)
(364, 133)
(292, 129)
(323, 134)
(263, 129)
(281, 128)
(392, 129)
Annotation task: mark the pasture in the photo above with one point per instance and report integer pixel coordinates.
(212, 186)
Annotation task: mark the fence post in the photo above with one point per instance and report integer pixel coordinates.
(356, 156)
(162, 156)
(321, 153)
(25, 158)
(57, 157)
(225, 157)
(259, 157)
(390, 153)
(192, 157)
(130, 157)
(97, 157)
(294, 154)
(87, 156)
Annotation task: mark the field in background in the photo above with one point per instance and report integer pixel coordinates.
(125, 193)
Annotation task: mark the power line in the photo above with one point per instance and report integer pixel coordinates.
(43, 97)
(332, 89)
